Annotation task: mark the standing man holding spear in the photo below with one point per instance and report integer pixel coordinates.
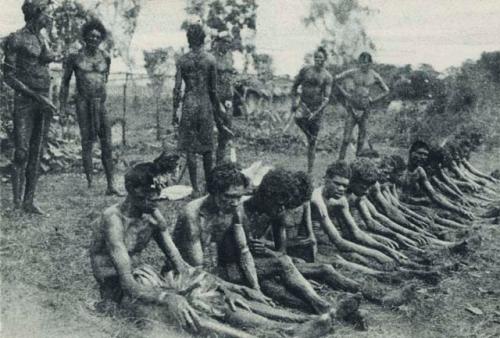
(26, 69)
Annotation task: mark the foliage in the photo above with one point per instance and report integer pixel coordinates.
(342, 21)
(233, 19)
(159, 64)
(264, 66)
(69, 17)
(491, 62)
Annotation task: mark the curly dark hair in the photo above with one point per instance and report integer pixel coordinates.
(364, 170)
(283, 187)
(418, 144)
(195, 35)
(338, 168)
(94, 24)
(33, 9)
(166, 162)
(140, 176)
(365, 57)
(397, 162)
(322, 49)
(225, 175)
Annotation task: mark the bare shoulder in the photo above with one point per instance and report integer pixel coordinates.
(346, 73)
(111, 215)
(191, 211)
(317, 196)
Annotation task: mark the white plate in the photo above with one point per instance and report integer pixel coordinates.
(176, 192)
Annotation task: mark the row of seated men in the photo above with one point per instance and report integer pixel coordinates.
(243, 261)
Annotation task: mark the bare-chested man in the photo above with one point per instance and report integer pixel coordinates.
(316, 85)
(91, 68)
(26, 69)
(356, 85)
(200, 104)
(214, 231)
(184, 296)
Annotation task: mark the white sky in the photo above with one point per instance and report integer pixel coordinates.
(439, 32)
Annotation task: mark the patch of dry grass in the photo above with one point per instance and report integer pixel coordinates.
(48, 289)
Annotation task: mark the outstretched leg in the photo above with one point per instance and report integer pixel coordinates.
(292, 279)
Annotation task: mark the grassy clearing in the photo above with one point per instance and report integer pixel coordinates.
(48, 289)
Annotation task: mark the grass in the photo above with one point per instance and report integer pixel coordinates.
(48, 289)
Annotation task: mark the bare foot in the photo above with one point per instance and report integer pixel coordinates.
(111, 191)
(33, 209)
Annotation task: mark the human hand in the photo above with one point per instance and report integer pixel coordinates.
(257, 246)
(175, 120)
(388, 242)
(180, 310)
(256, 295)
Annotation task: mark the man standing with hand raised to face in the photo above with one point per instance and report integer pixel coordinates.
(316, 84)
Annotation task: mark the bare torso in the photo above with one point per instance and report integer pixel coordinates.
(91, 73)
(27, 57)
(315, 84)
(137, 233)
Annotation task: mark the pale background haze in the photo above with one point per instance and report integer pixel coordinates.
(442, 33)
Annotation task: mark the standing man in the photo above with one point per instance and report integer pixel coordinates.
(26, 69)
(200, 104)
(316, 84)
(356, 87)
(225, 80)
(91, 68)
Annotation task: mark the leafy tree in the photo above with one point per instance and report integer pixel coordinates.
(491, 62)
(233, 18)
(69, 16)
(342, 21)
(263, 66)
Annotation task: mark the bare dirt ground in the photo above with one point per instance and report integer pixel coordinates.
(48, 289)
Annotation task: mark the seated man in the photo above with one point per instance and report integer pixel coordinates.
(393, 171)
(418, 190)
(329, 204)
(186, 296)
(289, 193)
(212, 232)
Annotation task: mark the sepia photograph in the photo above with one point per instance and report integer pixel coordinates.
(250, 168)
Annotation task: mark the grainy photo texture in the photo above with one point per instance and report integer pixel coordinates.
(249, 168)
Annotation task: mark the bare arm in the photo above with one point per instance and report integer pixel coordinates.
(68, 67)
(164, 241)
(121, 260)
(187, 237)
(247, 264)
(478, 173)
(438, 198)
(294, 92)
(9, 67)
(177, 90)
(381, 83)
(342, 244)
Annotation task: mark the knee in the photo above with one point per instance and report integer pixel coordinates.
(327, 269)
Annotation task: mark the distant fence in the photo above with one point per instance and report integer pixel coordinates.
(133, 104)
